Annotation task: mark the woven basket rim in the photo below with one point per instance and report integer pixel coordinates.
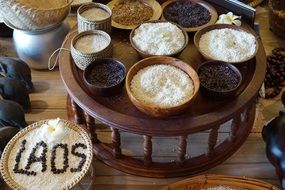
(255, 3)
(68, 3)
(5, 155)
(88, 32)
(87, 6)
(212, 180)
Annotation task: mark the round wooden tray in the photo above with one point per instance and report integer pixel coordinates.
(203, 182)
(120, 114)
(156, 13)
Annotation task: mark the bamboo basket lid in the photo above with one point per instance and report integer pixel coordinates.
(4, 162)
(203, 182)
(34, 15)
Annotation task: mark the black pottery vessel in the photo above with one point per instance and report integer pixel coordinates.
(274, 136)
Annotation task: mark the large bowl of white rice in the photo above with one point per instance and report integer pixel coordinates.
(228, 43)
(153, 38)
(162, 86)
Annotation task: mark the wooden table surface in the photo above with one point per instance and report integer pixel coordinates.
(49, 101)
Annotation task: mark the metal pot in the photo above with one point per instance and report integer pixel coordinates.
(35, 47)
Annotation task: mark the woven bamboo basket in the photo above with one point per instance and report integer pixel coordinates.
(5, 156)
(34, 15)
(85, 24)
(81, 60)
(255, 3)
(277, 17)
(203, 182)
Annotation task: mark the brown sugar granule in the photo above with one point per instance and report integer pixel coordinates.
(131, 12)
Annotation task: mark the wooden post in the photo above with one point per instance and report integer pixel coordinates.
(90, 124)
(247, 112)
(147, 150)
(212, 141)
(234, 127)
(182, 149)
(78, 113)
(116, 140)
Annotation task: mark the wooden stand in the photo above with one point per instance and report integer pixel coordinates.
(203, 115)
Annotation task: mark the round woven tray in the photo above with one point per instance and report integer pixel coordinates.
(5, 156)
(203, 182)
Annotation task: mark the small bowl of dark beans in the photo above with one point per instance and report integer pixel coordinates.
(219, 80)
(105, 77)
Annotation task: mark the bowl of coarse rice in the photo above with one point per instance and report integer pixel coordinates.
(162, 86)
(156, 38)
(228, 43)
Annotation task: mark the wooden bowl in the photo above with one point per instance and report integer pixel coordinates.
(211, 180)
(198, 35)
(210, 8)
(145, 54)
(100, 90)
(154, 110)
(154, 5)
(214, 93)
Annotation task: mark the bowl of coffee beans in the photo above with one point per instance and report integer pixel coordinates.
(219, 79)
(104, 77)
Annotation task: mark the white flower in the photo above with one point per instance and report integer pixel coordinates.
(229, 18)
(53, 131)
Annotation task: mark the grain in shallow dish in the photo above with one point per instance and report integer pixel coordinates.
(227, 43)
(152, 3)
(162, 85)
(151, 95)
(219, 80)
(94, 16)
(105, 77)
(158, 38)
(203, 182)
(129, 12)
(192, 15)
(90, 45)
